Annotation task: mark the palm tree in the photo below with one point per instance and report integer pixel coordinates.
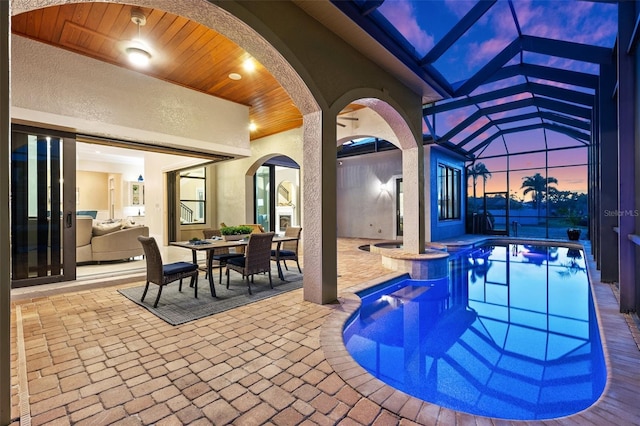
(475, 171)
(539, 188)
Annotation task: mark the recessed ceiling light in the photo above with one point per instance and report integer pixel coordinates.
(235, 76)
(249, 65)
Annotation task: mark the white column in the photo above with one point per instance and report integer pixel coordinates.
(414, 200)
(319, 200)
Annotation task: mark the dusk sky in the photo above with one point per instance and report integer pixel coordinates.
(424, 22)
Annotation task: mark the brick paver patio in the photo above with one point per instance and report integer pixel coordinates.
(95, 358)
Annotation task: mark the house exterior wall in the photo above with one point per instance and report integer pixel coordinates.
(442, 229)
(365, 209)
(234, 179)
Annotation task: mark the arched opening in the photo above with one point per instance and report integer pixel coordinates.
(276, 187)
(375, 149)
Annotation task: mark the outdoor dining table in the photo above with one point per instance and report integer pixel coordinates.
(207, 245)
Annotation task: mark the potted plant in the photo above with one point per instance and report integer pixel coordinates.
(573, 232)
(233, 233)
(196, 241)
(573, 266)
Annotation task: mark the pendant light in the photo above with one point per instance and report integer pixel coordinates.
(137, 51)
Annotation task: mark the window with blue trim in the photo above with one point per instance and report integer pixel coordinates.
(448, 192)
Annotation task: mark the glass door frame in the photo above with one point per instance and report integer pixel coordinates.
(493, 230)
(56, 242)
(173, 223)
(399, 208)
(270, 203)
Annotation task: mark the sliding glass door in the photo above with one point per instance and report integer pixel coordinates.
(42, 206)
(264, 210)
(277, 194)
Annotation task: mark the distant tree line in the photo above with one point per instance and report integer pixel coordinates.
(569, 204)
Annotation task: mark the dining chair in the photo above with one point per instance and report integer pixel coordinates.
(289, 249)
(255, 260)
(220, 255)
(161, 274)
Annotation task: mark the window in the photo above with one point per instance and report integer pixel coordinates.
(192, 196)
(448, 192)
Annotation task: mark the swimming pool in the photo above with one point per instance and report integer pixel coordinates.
(511, 333)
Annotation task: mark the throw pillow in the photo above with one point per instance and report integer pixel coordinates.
(128, 223)
(105, 228)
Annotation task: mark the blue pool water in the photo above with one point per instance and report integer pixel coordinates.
(511, 333)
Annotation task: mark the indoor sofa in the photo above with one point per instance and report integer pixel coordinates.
(97, 242)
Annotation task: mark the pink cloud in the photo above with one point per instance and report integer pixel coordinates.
(500, 84)
(454, 118)
(492, 33)
(579, 22)
(403, 16)
(477, 124)
(487, 50)
(561, 63)
(459, 7)
(467, 131)
(507, 99)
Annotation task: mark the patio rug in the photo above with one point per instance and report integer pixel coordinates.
(178, 308)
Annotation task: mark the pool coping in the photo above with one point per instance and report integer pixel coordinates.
(613, 406)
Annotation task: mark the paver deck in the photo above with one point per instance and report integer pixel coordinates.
(92, 357)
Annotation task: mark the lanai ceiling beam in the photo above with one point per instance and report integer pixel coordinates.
(567, 49)
(554, 127)
(568, 95)
(489, 69)
(574, 78)
(461, 27)
(550, 104)
(378, 27)
(369, 6)
(570, 122)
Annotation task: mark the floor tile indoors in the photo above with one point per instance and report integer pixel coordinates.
(88, 356)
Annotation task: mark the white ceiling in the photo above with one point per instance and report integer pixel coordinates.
(86, 152)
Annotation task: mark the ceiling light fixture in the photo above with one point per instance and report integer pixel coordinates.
(138, 51)
(249, 65)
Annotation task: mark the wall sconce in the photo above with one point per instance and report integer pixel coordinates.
(384, 187)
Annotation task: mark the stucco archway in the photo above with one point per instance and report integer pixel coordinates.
(319, 121)
(257, 28)
(396, 128)
(236, 29)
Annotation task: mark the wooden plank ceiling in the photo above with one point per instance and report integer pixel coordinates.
(189, 55)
